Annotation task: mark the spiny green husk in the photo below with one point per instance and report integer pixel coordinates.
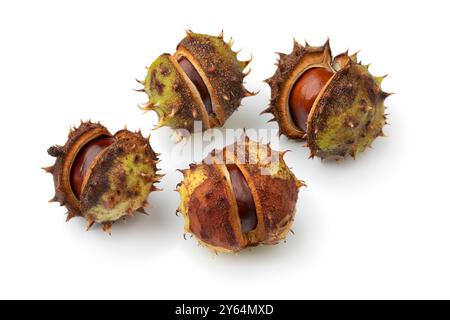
(118, 182)
(174, 97)
(348, 114)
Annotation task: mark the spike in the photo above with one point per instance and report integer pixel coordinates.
(244, 74)
(140, 81)
(90, 222)
(107, 227)
(48, 169)
(139, 90)
(247, 62)
(300, 183)
(250, 93)
(159, 176)
(353, 152)
(385, 95)
(269, 81)
(281, 55)
(54, 199)
(282, 153)
(267, 110)
(142, 211)
(354, 57)
(379, 80)
(220, 36)
(161, 123)
(70, 216)
(145, 107)
(297, 46)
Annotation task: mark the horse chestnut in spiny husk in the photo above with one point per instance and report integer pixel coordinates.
(202, 81)
(335, 104)
(229, 204)
(103, 177)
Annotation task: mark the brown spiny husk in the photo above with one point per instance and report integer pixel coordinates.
(209, 205)
(175, 98)
(349, 112)
(117, 183)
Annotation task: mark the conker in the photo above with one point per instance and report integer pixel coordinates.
(83, 161)
(232, 205)
(244, 198)
(335, 104)
(202, 81)
(197, 80)
(305, 92)
(103, 177)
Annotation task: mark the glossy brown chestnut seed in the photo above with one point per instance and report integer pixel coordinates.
(244, 199)
(304, 94)
(84, 160)
(197, 80)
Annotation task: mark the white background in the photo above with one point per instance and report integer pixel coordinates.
(377, 227)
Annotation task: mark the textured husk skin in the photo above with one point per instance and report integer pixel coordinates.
(174, 97)
(347, 116)
(349, 112)
(209, 206)
(118, 182)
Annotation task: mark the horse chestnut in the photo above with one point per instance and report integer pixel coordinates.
(202, 81)
(335, 104)
(103, 177)
(305, 92)
(231, 205)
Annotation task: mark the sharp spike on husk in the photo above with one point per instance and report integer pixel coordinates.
(70, 216)
(48, 169)
(89, 222)
(247, 72)
(385, 95)
(107, 227)
(300, 183)
(267, 110)
(297, 45)
(380, 79)
(156, 189)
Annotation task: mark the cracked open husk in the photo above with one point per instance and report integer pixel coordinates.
(347, 115)
(175, 98)
(117, 182)
(208, 203)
